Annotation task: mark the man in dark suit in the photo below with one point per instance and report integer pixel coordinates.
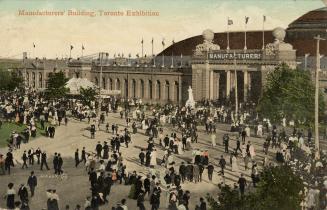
(60, 163)
(32, 183)
(98, 149)
(77, 161)
(83, 156)
(44, 161)
(55, 163)
(222, 164)
(24, 160)
(182, 171)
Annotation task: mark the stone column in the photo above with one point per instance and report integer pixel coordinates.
(228, 84)
(217, 85)
(206, 85)
(211, 85)
(246, 84)
(179, 90)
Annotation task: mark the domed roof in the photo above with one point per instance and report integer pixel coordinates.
(236, 41)
(313, 19)
(299, 34)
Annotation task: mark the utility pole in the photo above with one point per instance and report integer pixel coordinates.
(236, 89)
(100, 85)
(318, 38)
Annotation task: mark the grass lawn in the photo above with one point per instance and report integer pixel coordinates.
(8, 127)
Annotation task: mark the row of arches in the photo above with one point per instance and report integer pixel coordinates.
(34, 80)
(143, 88)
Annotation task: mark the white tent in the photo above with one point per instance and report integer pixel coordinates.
(75, 84)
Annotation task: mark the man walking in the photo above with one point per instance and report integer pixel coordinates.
(55, 163)
(44, 161)
(210, 168)
(242, 184)
(24, 158)
(222, 164)
(83, 156)
(32, 183)
(76, 158)
(226, 142)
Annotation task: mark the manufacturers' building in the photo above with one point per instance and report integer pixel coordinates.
(213, 64)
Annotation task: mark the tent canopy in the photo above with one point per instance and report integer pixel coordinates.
(75, 84)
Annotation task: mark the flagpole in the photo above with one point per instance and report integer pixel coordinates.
(172, 55)
(70, 51)
(142, 47)
(263, 32)
(82, 49)
(245, 48)
(33, 50)
(163, 55)
(152, 46)
(228, 33)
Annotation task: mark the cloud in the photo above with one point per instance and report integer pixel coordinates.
(54, 35)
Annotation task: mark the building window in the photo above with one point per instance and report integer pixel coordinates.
(150, 89)
(141, 88)
(103, 83)
(133, 88)
(158, 94)
(110, 84)
(40, 80)
(167, 90)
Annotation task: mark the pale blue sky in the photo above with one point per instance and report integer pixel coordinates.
(178, 20)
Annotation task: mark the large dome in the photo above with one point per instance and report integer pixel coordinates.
(299, 34)
(315, 19)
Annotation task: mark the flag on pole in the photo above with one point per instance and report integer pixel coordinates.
(83, 48)
(264, 18)
(71, 47)
(33, 45)
(142, 41)
(246, 20)
(163, 42)
(229, 21)
(152, 41)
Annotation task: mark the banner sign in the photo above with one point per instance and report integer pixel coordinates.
(236, 56)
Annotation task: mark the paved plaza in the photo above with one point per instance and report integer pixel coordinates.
(73, 186)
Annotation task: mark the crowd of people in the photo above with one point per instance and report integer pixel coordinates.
(170, 132)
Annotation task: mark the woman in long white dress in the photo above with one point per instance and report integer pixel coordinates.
(153, 160)
(234, 164)
(180, 147)
(213, 140)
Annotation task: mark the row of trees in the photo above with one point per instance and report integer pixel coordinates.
(279, 189)
(10, 80)
(289, 93)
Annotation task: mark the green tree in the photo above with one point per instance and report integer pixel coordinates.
(289, 93)
(56, 85)
(279, 189)
(10, 80)
(88, 95)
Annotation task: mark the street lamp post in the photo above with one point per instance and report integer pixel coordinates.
(306, 61)
(100, 85)
(318, 38)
